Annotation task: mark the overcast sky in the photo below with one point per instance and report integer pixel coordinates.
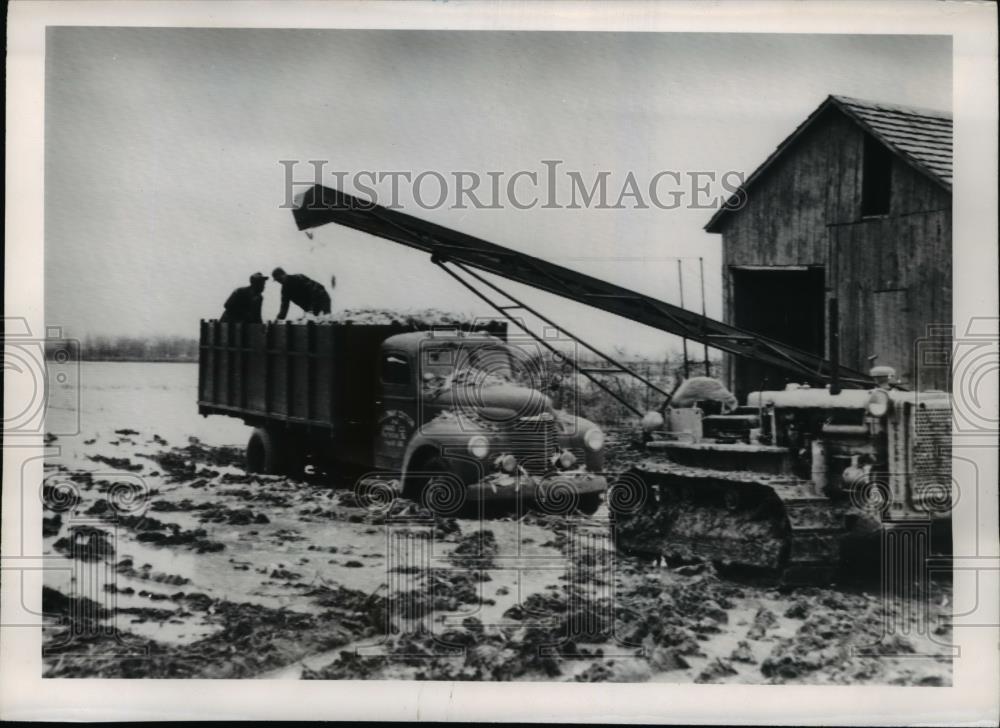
(164, 188)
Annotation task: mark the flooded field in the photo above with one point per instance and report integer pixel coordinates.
(180, 564)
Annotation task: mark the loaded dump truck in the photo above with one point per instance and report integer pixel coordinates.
(452, 414)
(779, 482)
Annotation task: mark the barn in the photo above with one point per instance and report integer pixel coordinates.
(854, 208)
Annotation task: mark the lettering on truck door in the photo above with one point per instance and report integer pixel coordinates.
(396, 409)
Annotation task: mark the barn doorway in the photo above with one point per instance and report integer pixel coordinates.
(787, 304)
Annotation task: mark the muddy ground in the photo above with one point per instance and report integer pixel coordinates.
(172, 561)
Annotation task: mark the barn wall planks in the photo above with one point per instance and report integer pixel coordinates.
(805, 210)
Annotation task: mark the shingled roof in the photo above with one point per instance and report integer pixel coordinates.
(920, 137)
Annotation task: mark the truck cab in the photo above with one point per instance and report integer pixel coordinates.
(462, 417)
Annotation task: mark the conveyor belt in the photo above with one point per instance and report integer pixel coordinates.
(321, 205)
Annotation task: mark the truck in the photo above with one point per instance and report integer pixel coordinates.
(781, 481)
(452, 414)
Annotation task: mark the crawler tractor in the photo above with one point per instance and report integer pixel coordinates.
(785, 481)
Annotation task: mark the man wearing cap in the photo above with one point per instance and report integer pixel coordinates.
(301, 290)
(243, 304)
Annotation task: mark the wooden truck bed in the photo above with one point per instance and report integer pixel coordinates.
(316, 375)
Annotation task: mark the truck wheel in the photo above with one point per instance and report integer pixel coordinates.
(589, 503)
(440, 491)
(264, 452)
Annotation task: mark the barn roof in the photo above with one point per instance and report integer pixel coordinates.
(920, 137)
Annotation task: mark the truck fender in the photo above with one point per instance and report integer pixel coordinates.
(426, 446)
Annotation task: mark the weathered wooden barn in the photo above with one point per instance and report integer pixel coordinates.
(855, 204)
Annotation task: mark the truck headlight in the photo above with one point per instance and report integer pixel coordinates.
(594, 439)
(878, 403)
(479, 446)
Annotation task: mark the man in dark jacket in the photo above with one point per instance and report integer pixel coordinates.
(243, 304)
(303, 291)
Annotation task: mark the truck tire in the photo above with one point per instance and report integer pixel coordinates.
(264, 452)
(589, 503)
(437, 489)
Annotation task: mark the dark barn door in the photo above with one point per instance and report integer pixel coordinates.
(779, 303)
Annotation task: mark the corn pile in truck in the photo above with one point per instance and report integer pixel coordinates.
(415, 318)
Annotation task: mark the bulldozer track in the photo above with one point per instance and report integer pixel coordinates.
(816, 530)
(774, 522)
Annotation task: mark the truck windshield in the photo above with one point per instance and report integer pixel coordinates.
(442, 360)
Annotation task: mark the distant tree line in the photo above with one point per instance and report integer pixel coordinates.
(127, 348)
(574, 391)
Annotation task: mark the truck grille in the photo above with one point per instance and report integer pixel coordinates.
(919, 454)
(533, 441)
(930, 459)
